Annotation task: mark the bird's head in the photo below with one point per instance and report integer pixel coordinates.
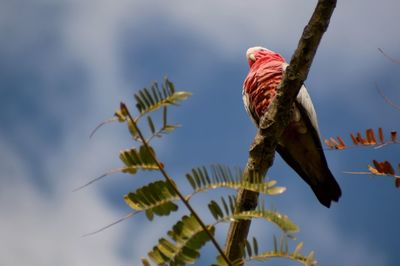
(253, 54)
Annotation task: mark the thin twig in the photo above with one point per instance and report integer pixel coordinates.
(98, 178)
(129, 215)
(172, 183)
(108, 121)
(387, 100)
(389, 57)
(158, 133)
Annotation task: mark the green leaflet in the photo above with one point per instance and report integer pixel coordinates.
(222, 176)
(228, 213)
(145, 262)
(154, 198)
(282, 221)
(252, 253)
(135, 159)
(187, 238)
(148, 100)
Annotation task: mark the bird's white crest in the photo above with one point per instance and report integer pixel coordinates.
(250, 52)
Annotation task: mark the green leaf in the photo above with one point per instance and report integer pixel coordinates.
(149, 97)
(283, 253)
(190, 180)
(255, 246)
(154, 198)
(215, 210)
(145, 262)
(298, 248)
(151, 125)
(164, 116)
(140, 105)
(276, 190)
(147, 101)
(248, 249)
(179, 96)
(228, 214)
(169, 84)
(310, 258)
(120, 115)
(226, 208)
(169, 128)
(188, 238)
(135, 159)
(222, 176)
(144, 98)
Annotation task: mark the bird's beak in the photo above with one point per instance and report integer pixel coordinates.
(252, 57)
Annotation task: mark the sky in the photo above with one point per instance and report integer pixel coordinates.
(66, 65)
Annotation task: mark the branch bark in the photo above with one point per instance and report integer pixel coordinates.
(274, 121)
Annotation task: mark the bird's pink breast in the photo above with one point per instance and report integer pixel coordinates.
(262, 82)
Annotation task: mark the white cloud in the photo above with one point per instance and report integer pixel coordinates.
(40, 229)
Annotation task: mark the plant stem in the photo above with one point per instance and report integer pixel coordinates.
(174, 186)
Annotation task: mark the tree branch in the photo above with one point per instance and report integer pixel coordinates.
(274, 121)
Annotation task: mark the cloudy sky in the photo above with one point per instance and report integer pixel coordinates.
(66, 65)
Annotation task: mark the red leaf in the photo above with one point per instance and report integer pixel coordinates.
(388, 168)
(341, 143)
(370, 136)
(378, 166)
(393, 135)
(381, 138)
(354, 139)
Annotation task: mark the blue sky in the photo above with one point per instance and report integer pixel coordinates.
(66, 65)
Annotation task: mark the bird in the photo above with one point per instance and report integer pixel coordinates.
(299, 145)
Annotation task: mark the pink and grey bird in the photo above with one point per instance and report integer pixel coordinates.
(300, 144)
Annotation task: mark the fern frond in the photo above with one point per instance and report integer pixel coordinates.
(358, 139)
(148, 100)
(222, 176)
(281, 250)
(228, 214)
(187, 237)
(135, 159)
(154, 198)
